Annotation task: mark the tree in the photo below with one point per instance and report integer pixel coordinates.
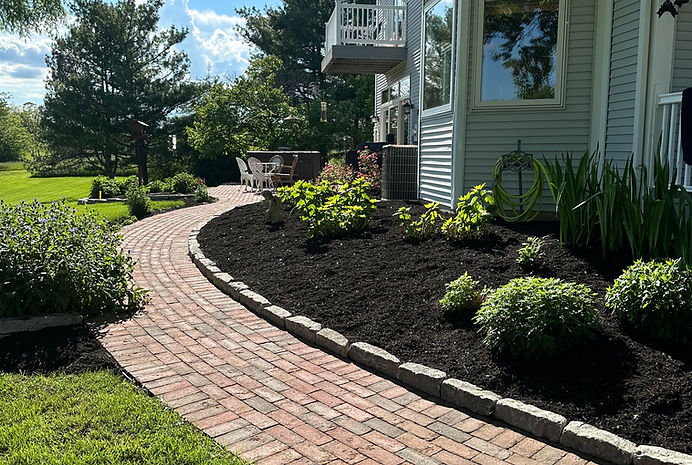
(25, 16)
(16, 142)
(111, 67)
(248, 114)
(294, 32)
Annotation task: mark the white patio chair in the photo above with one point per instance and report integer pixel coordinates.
(260, 177)
(245, 176)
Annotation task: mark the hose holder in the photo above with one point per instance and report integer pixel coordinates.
(517, 162)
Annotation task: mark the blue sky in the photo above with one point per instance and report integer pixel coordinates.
(212, 41)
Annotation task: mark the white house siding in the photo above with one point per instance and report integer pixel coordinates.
(436, 141)
(623, 77)
(682, 65)
(543, 132)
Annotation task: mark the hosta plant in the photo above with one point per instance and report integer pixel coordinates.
(537, 318)
(462, 295)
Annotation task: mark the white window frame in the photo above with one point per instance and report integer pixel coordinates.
(560, 77)
(447, 107)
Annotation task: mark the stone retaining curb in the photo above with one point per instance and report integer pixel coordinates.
(9, 326)
(575, 435)
(154, 196)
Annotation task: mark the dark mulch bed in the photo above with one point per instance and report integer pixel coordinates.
(381, 289)
(72, 350)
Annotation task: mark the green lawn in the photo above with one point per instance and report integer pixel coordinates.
(95, 418)
(17, 185)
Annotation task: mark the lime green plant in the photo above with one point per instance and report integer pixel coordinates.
(530, 252)
(462, 295)
(424, 227)
(472, 212)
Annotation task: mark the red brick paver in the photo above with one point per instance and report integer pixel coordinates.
(263, 393)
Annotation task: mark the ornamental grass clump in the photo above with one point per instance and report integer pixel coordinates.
(537, 318)
(655, 299)
(462, 295)
(53, 260)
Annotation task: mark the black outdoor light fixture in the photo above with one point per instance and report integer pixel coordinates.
(407, 107)
(671, 7)
(374, 119)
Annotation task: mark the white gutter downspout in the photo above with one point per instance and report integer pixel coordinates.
(646, 12)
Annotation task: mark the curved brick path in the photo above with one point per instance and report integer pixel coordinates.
(276, 400)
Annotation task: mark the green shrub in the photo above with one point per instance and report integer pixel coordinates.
(159, 186)
(472, 212)
(655, 298)
(425, 226)
(184, 183)
(330, 210)
(127, 184)
(537, 318)
(336, 171)
(530, 252)
(202, 194)
(53, 260)
(108, 187)
(462, 295)
(138, 202)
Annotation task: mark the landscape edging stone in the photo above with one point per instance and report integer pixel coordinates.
(526, 417)
(602, 444)
(9, 326)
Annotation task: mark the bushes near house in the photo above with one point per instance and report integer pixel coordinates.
(184, 183)
(462, 295)
(54, 260)
(369, 169)
(655, 299)
(138, 202)
(472, 212)
(202, 194)
(537, 318)
(424, 227)
(330, 210)
(530, 253)
(336, 171)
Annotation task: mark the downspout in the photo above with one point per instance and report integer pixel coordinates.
(646, 12)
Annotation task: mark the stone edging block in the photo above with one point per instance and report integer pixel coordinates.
(333, 341)
(600, 443)
(539, 422)
(650, 455)
(36, 323)
(542, 423)
(303, 327)
(422, 377)
(374, 357)
(469, 396)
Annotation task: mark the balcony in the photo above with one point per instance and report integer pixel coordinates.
(364, 39)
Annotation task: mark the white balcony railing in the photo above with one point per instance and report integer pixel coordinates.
(377, 25)
(671, 135)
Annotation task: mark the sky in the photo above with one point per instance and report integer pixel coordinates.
(212, 42)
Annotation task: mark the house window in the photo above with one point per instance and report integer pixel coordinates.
(437, 69)
(521, 59)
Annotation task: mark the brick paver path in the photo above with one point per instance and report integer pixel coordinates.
(276, 400)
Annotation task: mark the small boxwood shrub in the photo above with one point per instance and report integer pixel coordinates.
(138, 202)
(53, 260)
(537, 318)
(655, 299)
(530, 252)
(462, 295)
(184, 183)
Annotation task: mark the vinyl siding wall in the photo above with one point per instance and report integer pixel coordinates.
(682, 66)
(543, 131)
(623, 78)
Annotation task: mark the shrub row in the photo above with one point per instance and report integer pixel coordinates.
(539, 318)
(181, 183)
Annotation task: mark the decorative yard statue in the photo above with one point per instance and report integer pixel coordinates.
(671, 7)
(274, 210)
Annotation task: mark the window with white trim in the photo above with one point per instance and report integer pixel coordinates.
(438, 54)
(521, 56)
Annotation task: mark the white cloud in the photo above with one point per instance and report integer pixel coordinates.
(23, 68)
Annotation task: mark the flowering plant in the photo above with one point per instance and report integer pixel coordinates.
(335, 172)
(369, 169)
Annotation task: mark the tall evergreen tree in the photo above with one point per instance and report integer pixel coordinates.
(26, 16)
(112, 66)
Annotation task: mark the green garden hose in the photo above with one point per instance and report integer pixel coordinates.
(519, 208)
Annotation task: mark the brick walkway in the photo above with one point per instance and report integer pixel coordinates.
(276, 400)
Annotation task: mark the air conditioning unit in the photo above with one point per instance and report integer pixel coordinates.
(400, 172)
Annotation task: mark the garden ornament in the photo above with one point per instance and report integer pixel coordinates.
(274, 210)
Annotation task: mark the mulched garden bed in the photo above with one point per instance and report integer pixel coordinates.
(379, 288)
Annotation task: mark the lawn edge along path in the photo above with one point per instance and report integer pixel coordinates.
(544, 424)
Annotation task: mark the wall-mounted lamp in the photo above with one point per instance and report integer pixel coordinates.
(407, 107)
(374, 119)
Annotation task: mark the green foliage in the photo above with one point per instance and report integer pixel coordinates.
(107, 187)
(462, 295)
(424, 227)
(16, 142)
(138, 202)
(202, 194)
(24, 17)
(183, 183)
(247, 114)
(530, 252)
(113, 64)
(53, 260)
(472, 212)
(330, 210)
(160, 185)
(336, 171)
(537, 318)
(369, 169)
(96, 418)
(655, 298)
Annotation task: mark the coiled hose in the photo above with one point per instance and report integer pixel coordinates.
(519, 208)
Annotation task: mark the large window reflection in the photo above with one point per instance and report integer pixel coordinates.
(520, 50)
(437, 71)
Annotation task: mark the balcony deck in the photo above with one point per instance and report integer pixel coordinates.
(364, 39)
